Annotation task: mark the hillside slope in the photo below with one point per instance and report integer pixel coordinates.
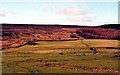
(15, 35)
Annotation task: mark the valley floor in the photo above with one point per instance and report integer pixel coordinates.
(63, 57)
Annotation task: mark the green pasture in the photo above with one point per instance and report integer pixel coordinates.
(45, 58)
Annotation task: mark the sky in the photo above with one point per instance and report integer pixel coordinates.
(72, 12)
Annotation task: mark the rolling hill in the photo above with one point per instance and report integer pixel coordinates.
(15, 35)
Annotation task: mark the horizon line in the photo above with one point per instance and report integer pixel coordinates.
(55, 24)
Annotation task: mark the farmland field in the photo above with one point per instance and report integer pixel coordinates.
(62, 57)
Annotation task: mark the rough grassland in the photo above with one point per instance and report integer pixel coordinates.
(45, 58)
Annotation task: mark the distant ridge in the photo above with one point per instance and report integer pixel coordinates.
(57, 25)
(115, 26)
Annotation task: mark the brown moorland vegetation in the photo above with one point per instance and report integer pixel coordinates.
(16, 35)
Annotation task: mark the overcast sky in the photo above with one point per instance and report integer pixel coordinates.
(77, 12)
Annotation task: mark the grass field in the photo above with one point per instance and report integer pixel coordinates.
(45, 58)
